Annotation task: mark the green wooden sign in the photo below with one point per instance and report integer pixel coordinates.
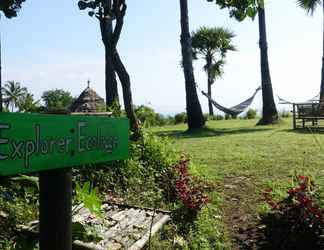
(34, 142)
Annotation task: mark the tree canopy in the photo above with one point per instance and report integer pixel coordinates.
(212, 44)
(240, 9)
(57, 99)
(13, 93)
(10, 7)
(103, 11)
(309, 5)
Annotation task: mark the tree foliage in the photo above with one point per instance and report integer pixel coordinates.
(27, 103)
(212, 44)
(10, 7)
(102, 10)
(309, 5)
(13, 92)
(57, 99)
(240, 9)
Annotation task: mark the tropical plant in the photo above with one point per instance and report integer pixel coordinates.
(12, 94)
(108, 11)
(295, 222)
(28, 104)
(194, 112)
(10, 9)
(249, 8)
(310, 6)
(251, 114)
(57, 99)
(212, 44)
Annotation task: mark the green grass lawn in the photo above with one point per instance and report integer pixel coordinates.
(239, 148)
(244, 159)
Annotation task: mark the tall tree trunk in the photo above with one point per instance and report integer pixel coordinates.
(322, 75)
(209, 82)
(1, 101)
(106, 28)
(127, 93)
(269, 114)
(210, 105)
(110, 79)
(194, 112)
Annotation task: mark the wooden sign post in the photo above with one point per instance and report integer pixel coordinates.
(51, 145)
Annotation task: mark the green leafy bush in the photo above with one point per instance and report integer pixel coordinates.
(139, 174)
(18, 205)
(284, 114)
(295, 222)
(213, 117)
(149, 117)
(228, 117)
(180, 118)
(250, 114)
(88, 196)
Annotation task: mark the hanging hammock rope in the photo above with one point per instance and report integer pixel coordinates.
(314, 99)
(235, 110)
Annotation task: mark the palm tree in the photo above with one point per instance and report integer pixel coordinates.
(212, 44)
(249, 8)
(269, 110)
(310, 6)
(9, 9)
(194, 112)
(13, 92)
(27, 103)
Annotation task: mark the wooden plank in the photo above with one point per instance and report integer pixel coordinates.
(55, 210)
(156, 227)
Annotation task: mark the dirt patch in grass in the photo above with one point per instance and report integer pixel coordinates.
(240, 215)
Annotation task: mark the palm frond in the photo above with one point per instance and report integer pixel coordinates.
(309, 5)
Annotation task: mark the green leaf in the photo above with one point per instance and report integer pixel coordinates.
(251, 12)
(261, 3)
(89, 198)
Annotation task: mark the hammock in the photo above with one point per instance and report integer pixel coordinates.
(314, 99)
(235, 110)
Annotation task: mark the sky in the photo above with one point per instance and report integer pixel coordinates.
(52, 44)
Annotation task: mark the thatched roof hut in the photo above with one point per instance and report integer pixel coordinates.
(88, 102)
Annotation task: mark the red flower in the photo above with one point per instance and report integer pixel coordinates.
(302, 178)
(292, 191)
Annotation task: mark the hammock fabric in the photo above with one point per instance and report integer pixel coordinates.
(235, 110)
(314, 99)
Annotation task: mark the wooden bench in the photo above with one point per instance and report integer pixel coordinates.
(308, 115)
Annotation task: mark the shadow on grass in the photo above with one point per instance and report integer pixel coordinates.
(305, 131)
(209, 132)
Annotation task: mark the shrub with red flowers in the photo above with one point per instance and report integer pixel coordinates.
(188, 192)
(295, 222)
(191, 194)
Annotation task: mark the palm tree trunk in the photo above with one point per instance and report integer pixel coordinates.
(269, 110)
(194, 112)
(322, 75)
(210, 105)
(127, 94)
